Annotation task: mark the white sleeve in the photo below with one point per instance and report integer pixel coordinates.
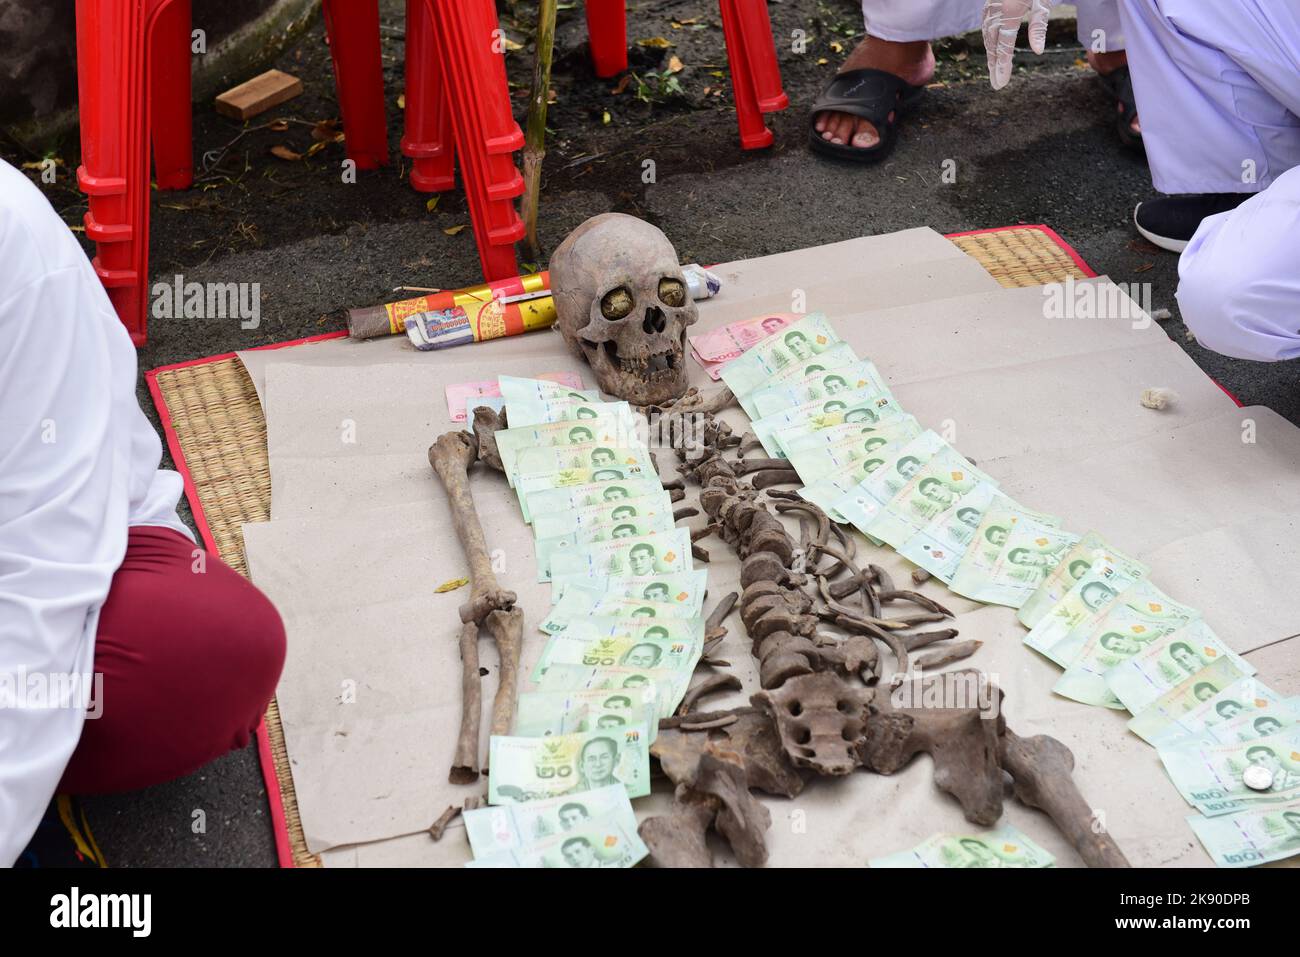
(63, 524)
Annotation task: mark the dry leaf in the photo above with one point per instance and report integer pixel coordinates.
(278, 126)
(284, 153)
(510, 44)
(453, 230)
(622, 84)
(605, 118)
(432, 204)
(837, 46)
(451, 585)
(325, 131)
(659, 43)
(401, 101)
(675, 65)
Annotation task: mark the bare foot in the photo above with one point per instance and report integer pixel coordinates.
(911, 62)
(1107, 63)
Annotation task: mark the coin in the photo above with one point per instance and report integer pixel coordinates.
(1257, 778)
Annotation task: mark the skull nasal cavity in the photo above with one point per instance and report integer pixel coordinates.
(654, 320)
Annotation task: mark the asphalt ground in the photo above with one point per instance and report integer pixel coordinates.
(1041, 151)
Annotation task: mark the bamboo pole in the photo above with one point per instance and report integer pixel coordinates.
(535, 134)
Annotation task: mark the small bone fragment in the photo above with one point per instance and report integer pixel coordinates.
(710, 685)
(486, 424)
(678, 839)
(946, 656)
(920, 576)
(913, 642)
(437, 828)
(1158, 398)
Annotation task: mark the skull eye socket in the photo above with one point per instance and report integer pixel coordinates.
(616, 303)
(672, 292)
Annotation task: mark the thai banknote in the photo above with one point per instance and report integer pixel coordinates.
(1251, 837)
(510, 827)
(1032, 549)
(1219, 692)
(1062, 632)
(860, 376)
(590, 457)
(1210, 778)
(895, 466)
(1005, 846)
(528, 486)
(802, 437)
(936, 485)
(670, 685)
(682, 588)
(1167, 662)
(570, 498)
(657, 554)
(1141, 616)
(613, 531)
(864, 406)
(1061, 579)
(939, 546)
(615, 425)
(856, 457)
(462, 397)
(800, 342)
(534, 402)
(577, 605)
(539, 713)
(716, 347)
(1247, 726)
(528, 769)
(601, 843)
(838, 355)
(671, 644)
(577, 520)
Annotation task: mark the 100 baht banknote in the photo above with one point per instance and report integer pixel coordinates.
(1006, 846)
(1212, 778)
(528, 769)
(510, 827)
(1248, 838)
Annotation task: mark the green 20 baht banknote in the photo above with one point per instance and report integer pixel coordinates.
(514, 826)
(527, 769)
(681, 588)
(796, 344)
(1006, 846)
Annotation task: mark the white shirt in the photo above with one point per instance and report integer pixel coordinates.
(78, 466)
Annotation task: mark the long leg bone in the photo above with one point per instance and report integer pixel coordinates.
(464, 765)
(1042, 769)
(507, 631)
(451, 456)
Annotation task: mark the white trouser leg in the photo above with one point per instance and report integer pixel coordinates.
(1100, 29)
(1218, 90)
(908, 20)
(1239, 278)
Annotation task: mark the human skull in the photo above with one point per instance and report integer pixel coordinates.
(622, 304)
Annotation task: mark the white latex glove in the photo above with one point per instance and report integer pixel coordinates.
(1001, 23)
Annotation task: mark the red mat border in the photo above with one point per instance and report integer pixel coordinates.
(274, 797)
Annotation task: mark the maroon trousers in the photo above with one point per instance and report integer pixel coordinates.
(190, 653)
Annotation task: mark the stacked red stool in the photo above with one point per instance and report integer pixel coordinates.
(755, 73)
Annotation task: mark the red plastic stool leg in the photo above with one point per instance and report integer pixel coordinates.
(743, 34)
(760, 54)
(428, 135)
(171, 114)
(607, 36)
(114, 171)
(353, 30)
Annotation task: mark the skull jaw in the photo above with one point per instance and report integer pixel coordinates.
(652, 381)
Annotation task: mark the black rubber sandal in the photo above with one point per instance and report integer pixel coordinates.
(871, 95)
(1119, 83)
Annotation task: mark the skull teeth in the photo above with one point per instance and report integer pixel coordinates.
(658, 365)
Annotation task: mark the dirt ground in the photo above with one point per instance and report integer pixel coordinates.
(1041, 151)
